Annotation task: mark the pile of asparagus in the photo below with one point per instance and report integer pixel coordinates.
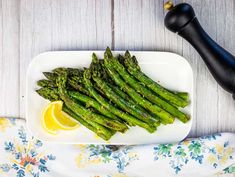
(112, 95)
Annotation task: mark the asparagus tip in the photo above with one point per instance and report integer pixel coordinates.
(87, 74)
(108, 54)
(127, 53)
(60, 70)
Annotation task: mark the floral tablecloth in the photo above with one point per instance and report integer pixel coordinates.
(23, 155)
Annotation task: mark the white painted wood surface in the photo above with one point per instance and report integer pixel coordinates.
(29, 27)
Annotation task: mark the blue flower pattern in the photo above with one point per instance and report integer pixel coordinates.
(195, 151)
(179, 155)
(25, 156)
(112, 153)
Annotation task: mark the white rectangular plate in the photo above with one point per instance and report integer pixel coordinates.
(170, 70)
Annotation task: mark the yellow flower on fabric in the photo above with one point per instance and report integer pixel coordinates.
(80, 146)
(79, 161)
(186, 142)
(13, 160)
(119, 175)
(28, 168)
(211, 159)
(229, 151)
(95, 161)
(132, 155)
(4, 124)
(19, 148)
(219, 149)
(30, 146)
(226, 155)
(224, 159)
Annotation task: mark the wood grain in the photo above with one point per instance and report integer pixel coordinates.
(30, 27)
(9, 58)
(48, 25)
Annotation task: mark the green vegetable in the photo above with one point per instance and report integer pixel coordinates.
(83, 112)
(162, 114)
(50, 76)
(77, 86)
(48, 93)
(114, 110)
(133, 68)
(115, 98)
(70, 71)
(100, 130)
(126, 97)
(125, 105)
(46, 83)
(183, 95)
(52, 95)
(147, 93)
(90, 102)
(72, 80)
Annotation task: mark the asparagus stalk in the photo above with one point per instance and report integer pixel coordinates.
(114, 110)
(115, 98)
(75, 72)
(90, 102)
(183, 95)
(78, 96)
(104, 75)
(126, 97)
(147, 93)
(133, 94)
(83, 112)
(75, 85)
(125, 105)
(50, 76)
(71, 71)
(100, 130)
(46, 83)
(133, 68)
(76, 78)
(48, 93)
(74, 81)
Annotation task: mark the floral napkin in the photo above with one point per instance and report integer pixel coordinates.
(23, 155)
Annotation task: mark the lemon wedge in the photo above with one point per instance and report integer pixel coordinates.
(55, 119)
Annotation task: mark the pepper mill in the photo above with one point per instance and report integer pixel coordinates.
(181, 19)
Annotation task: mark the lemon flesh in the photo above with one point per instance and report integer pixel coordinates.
(55, 119)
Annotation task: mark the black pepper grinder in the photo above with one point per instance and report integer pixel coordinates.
(181, 19)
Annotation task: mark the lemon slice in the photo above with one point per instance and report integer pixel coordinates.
(64, 121)
(55, 119)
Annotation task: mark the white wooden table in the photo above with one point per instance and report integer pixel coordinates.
(29, 27)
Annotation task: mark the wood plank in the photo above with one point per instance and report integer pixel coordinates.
(225, 25)
(206, 87)
(9, 58)
(35, 37)
(28, 28)
(48, 25)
